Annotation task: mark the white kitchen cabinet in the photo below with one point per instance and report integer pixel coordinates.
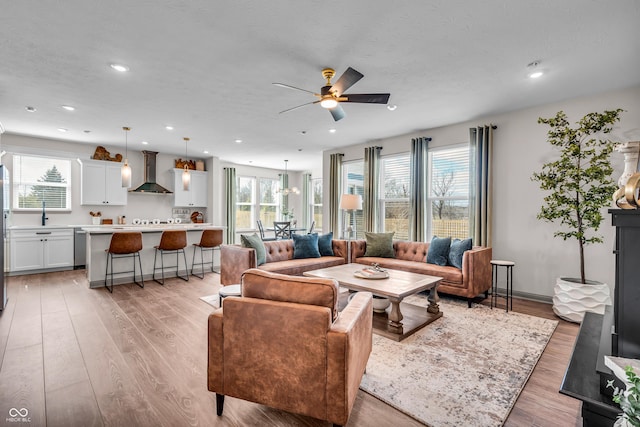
(102, 183)
(197, 194)
(43, 248)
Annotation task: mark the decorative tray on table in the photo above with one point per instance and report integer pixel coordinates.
(374, 272)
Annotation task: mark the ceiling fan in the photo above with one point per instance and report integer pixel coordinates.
(332, 95)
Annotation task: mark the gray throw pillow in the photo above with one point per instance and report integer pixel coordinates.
(254, 241)
(438, 253)
(380, 245)
(457, 250)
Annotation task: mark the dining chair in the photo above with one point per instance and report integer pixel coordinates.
(282, 229)
(262, 236)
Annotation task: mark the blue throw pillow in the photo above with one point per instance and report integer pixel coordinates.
(305, 246)
(254, 241)
(325, 245)
(438, 253)
(457, 249)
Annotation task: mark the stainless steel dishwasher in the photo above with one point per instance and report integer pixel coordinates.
(79, 248)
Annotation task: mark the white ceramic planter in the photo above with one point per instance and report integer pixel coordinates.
(572, 299)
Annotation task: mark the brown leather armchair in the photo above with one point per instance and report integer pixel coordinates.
(284, 344)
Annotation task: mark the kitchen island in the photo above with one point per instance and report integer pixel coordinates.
(99, 238)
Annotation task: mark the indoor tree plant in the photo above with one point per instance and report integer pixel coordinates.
(579, 183)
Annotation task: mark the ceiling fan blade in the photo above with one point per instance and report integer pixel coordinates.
(346, 80)
(369, 98)
(294, 88)
(299, 106)
(337, 112)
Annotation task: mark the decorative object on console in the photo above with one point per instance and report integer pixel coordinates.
(126, 169)
(101, 153)
(95, 217)
(579, 181)
(628, 399)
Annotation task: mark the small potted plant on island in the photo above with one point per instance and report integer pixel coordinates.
(580, 186)
(629, 400)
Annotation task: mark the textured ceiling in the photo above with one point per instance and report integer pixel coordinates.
(206, 68)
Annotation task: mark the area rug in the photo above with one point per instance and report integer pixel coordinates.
(465, 369)
(211, 300)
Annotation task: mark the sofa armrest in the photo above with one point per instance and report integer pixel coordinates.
(476, 270)
(339, 247)
(215, 362)
(235, 260)
(349, 343)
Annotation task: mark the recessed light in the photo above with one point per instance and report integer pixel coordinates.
(145, 142)
(205, 152)
(391, 107)
(332, 131)
(536, 74)
(534, 71)
(68, 107)
(62, 130)
(238, 141)
(30, 109)
(168, 127)
(119, 67)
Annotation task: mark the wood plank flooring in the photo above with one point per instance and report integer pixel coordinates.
(75, 356)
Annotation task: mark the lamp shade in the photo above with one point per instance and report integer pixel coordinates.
(349, 202)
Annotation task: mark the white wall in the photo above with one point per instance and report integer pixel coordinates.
(520, 150)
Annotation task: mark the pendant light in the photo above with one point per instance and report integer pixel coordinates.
(186, 174)
(286, 191)
(126, 169)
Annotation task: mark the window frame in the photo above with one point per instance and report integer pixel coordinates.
(382, 201)
(314, 206)
(358, 215)
(16, 183)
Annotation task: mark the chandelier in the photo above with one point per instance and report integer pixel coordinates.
(286, 191)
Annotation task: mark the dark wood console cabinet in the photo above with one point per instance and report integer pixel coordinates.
(614, 333)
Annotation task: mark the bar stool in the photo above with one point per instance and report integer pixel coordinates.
(494, 286)
(124, 245)
(171, 241)
(210, 240)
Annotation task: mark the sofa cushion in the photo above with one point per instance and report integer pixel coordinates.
(450, 275)
(379, 244)
(295, 267)
(261, 284)
(305, 246)
(439, 250)
(456, 250)
(254, 241)
(325, 244)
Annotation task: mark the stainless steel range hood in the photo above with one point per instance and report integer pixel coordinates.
(150, 185)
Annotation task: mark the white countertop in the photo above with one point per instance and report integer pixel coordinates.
(151, 228)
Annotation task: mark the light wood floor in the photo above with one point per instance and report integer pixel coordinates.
(75, 356)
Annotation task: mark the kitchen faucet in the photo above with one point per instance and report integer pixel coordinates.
(44, 215)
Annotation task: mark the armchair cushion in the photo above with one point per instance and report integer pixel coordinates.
(262, 284)
(254, 241)
(325, 245)
(305, 246)
(379, 244)
(439, 250)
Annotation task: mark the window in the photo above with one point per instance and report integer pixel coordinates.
(268, 199)
(316, 203)
(353, 183)
(245, 202)
(41, 181)
(394, 192)
(449, 192)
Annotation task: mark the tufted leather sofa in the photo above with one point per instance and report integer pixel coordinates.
(235, 260)
(472, 280)
(283, 344)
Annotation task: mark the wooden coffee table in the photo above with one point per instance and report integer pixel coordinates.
(402, 319)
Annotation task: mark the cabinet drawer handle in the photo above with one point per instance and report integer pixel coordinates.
(43, 232)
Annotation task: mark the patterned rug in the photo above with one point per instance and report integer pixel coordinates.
(465, 369)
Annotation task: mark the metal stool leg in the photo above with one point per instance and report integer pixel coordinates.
(141, 284)
(106, 272)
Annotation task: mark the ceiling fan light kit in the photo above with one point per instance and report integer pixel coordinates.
(331, 95)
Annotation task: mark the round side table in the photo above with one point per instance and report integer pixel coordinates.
(229, 291)
(495, 263)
